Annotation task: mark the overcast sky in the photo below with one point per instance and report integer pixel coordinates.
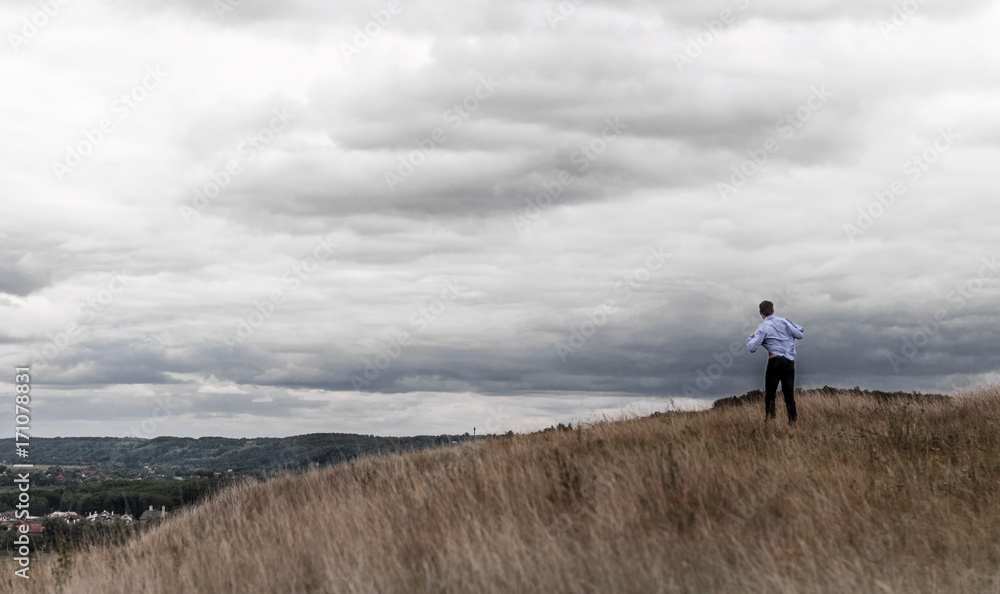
(274, 218)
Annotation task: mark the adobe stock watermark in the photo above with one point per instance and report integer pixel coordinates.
(914, 168)
(456, 116)
(988, 380)
(22, 442)
(246, 152)
(224, 8)
(711, 30)
(747, 509)
(71, 332)
(901, 14)
(928, 330)
(291, 281)
(363, 36)
(122, 108)
(496, 421)
(562, 12)
(164, 407)
(784, 129)
(585, 155)
(33, 24)
(420, 320)
(631, 282)
(726, 358)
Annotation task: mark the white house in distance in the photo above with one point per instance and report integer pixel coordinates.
(68, 517)
(106, 516)
(152, 514)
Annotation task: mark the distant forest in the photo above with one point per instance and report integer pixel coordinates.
(203, 464)
(120, 497)
(263, 454)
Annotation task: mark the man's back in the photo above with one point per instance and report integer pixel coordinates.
(777, 335)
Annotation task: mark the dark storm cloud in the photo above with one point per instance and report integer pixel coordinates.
(17, 280)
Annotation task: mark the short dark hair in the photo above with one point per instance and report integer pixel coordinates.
(767, 308)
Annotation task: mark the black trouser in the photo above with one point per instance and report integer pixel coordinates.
(779, 369)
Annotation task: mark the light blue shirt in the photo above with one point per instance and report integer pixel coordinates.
(778, 336)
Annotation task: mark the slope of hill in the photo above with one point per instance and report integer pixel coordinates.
(863, 495)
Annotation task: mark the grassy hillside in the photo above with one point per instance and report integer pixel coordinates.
(863, 495)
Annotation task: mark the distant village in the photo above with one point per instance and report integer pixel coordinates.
(10, 521)
(58, 476)
(64, 478)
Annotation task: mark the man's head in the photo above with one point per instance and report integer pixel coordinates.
(766, 309)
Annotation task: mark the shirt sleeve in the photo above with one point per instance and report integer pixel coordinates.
(756, 339)
(795, 330)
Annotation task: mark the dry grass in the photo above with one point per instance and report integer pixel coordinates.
(860, 497)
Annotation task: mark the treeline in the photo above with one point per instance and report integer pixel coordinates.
(240, 455)
(120, 497)
(757, 396)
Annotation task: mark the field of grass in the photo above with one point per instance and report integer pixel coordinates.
(862, 495)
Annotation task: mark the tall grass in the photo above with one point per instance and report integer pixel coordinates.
(861, 496)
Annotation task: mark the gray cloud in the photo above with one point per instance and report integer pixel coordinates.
(264, 265)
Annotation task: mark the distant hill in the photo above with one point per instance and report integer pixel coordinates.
(757, 396)
(245, 455)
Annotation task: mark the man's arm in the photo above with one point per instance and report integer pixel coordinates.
(755, 339)
(794, 329)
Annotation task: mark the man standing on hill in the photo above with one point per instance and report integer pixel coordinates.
(778, 336)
